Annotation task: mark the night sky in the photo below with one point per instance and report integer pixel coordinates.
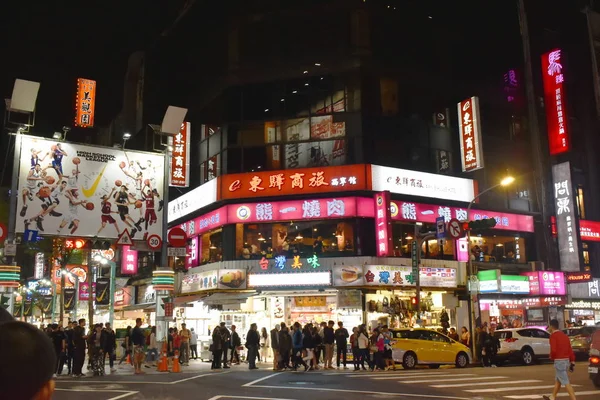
(55, 45)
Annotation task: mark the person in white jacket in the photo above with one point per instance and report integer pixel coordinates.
(193, 345)
(363, 346)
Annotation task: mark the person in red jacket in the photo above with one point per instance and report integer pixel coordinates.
(564, 359)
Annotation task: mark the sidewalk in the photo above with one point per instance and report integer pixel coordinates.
(196, 366)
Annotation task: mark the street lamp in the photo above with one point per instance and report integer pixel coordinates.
(506, 181)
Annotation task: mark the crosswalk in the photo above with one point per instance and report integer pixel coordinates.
(478, 386)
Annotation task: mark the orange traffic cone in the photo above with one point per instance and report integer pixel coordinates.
(128, 359)
(176, 366)
(163, 365)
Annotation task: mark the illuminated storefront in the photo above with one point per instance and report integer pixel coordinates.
(585, 304)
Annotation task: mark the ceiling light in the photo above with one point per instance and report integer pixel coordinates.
(294, 91)
(317, 64)
(261, 239)
(57, 135)
(266, 110)
(126, 135)
(315, 229)
(282, 99)
(299, 237)
(409, 237)
(499, 245)
(306, 84)
(306, 72)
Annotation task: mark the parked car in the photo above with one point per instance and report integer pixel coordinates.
(525, 345)
(581, 338)
(426, 346)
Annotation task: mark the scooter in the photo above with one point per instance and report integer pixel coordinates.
(594, 367)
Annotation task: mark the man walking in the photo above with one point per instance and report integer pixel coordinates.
(139, 340)
(275, 346)
(110, 347)
(226, 338)
(328, 339)
(341, 341)
(235, 343)
(193, 344)
(79, 339)
(564, 360)
(252, 342)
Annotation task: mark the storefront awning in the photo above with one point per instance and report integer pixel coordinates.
(143, 306)
(189, 299)
(216, 299)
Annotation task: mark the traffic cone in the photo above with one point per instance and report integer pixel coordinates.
(176, 366)
(128, 361)
(162, 365)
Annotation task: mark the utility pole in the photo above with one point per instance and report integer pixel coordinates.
(540, 163)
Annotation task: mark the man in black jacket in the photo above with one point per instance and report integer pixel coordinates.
(252, 343)
(341, 341)
(235, 343)
(226, 337)
(110, 346)
(275, 347)
(285, 346)
(79, 339)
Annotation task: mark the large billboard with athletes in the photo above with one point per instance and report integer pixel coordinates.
(68, 189)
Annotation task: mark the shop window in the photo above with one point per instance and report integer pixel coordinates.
(211, 246)
(505, 249)
(324, 238)
(403, 236)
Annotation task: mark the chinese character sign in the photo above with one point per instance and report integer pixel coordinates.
(589, 230)
(85, 102)
(469, 125)
(179, 174)
(566, 218)
(555, 102)
(193, 253)
(383, 224)
(129, 261)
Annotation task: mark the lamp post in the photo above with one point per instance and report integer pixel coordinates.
(472, 318)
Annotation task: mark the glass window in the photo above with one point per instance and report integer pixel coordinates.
(503, 335)
(211, 246)
(540, 334)
(436, 337)
(496, 248)
(303, 238)
(525, 333)
(401, 334)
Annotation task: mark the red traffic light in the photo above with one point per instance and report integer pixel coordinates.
(413, 301)
(74, 244)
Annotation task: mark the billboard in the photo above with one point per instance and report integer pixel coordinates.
(85, 102)
(294, 182)
(469, 126)
(68, 189)
(179, 172)
(566, 218)
(383, 224)
(554, 99)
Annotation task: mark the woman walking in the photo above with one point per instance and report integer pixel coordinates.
(355, 350)
(264, 344)
(363, 347)
(308, 344)
(97, 344)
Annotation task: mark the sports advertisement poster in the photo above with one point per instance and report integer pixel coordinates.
(68, 189)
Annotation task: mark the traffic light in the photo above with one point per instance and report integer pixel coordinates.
(482, 224)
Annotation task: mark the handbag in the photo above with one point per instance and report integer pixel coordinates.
(374, 348)
(211, 348)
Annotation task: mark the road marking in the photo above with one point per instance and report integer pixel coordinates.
(480, 378)
(504, 389)
(245, 397)
(124, 393)
(482, 384)
(436, 375)
(539, 396)
(419, 396)
(140, 382)
(261, 379)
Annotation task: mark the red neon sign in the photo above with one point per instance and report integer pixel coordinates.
(556, 105)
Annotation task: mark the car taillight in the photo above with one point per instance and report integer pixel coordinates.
(511, 340)
(594, 360)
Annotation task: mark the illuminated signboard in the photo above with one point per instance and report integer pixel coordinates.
(129, 261)
(179, 173)
(193, 200)
(290, 279)
(469, 126)
(85, 102)
(421, 184)
(576, 277)
(566, 218)
(293, 182)
(383, 224)
(546, 283)
(555, 102)
(589, 230)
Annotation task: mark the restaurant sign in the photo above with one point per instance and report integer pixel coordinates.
(469, 126)
(546, 283)
(222, 279)
(393, 275)
(583, 305)
(301, 181)
(589, 230)
(555, 102)
(566, 218)
(585, 290)
(577, 277)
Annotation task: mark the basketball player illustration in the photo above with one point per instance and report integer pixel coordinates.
(72, 218)
(123, 201)
(150, 216)
(150, 174)
(106, 218)
(35, 157)
(48, 206)
(73, 178)
(35, 179)
(57, 155)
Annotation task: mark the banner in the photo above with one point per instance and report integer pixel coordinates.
(383, 224)
(84, 291)
(469, 126)
(129, 261)
(47, 305)
(555, 102)
(566, 218)
(85, 103)
(17, 310)
(179, 172)
(69, 299)
(102, 291)
(28, 310)
(68, 189)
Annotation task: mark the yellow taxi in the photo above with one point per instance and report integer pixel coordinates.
(413, 346)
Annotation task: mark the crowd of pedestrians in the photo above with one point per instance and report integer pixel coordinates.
(311, 347)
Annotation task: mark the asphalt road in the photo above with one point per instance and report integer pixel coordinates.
(198, 382)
